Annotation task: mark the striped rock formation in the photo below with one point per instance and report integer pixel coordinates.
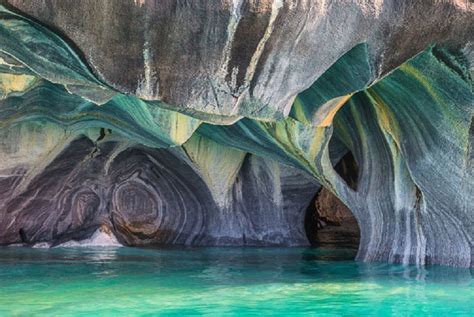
(217, 122)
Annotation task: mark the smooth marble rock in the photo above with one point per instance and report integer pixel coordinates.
(318, 104)
(48, 55)
(216, 123)
(152, 196)
(241, 57)
(128, 116)
(411, 135)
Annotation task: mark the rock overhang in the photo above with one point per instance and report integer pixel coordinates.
(187, 105)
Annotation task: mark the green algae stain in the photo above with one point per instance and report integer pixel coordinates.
(351, 73)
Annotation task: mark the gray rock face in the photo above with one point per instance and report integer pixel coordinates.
(152, 196)
(244, 58)
(215, 123)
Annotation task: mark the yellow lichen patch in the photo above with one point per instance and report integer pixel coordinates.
(182, 128)
(10, 83)
(384, 116)
(317, 142)
(303, 143)
(299, 114)
(339, 102)
(213, 159)
(421, 78)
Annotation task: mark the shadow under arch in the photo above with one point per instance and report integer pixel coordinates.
(329, 223)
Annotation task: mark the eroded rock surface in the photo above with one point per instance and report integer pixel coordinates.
(247, 58)
(215, 123)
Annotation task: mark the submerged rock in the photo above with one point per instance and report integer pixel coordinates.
(102, 237)
(216, 123)
(41, 245)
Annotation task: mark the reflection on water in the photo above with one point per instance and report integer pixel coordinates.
(224, 281)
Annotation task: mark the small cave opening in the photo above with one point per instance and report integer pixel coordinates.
(329, 223)
(348, 169)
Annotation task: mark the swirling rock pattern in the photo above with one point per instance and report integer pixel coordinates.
(153, 196)
(215, 123)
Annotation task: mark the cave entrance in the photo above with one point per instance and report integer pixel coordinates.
(329, 223)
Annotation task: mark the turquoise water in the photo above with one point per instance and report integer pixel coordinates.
(223, 282)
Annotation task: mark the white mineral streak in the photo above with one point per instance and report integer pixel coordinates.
(372, 8)
(276, 6)
(41, 245)
(16, 245)
(315, 18)
(378, 4)
(231, 29)
(420, 253)
(322, 9)
(233, 79)
(102, 237)
(407, 207)
(4, 62)
(407, 210)
(139, 2)
(465, 5)
(146, 88)
(293, 4)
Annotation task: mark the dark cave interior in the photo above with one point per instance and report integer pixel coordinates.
(329, 223)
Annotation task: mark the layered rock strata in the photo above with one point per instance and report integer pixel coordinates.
(216, 123)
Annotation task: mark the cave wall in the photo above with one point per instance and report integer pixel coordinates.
(216, 123)
(148, 196)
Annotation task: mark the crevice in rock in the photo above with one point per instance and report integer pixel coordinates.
(348, 169)
(23, 236)
(103, 132)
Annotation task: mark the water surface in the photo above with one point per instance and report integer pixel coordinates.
(224, 281)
